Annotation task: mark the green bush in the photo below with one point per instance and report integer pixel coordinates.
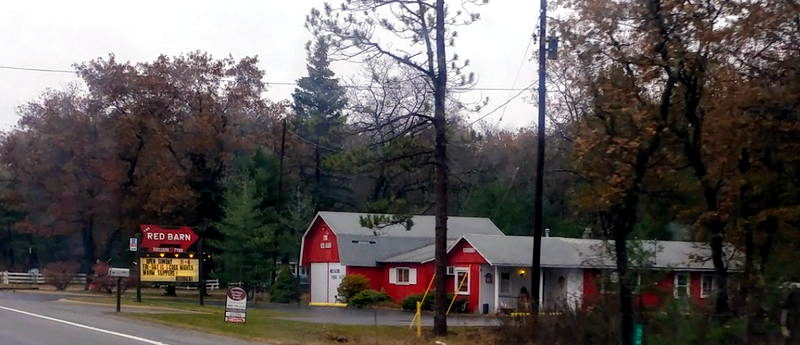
(410, 302)
(351, 285)
(285, 289)
(367, 297)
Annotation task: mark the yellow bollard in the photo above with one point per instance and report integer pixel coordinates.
(419, 319)
(418, 315)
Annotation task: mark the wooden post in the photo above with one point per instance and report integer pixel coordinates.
(202, 281)
(139, 268)
(119, 294)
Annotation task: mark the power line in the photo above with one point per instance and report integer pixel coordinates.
(516, 76)
(521, 91)
(278, 83)
(30, 69)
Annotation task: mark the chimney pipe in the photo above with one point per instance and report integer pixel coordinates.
(546, 232)
(587, 233)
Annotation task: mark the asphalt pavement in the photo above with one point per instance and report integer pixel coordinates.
(37, 319)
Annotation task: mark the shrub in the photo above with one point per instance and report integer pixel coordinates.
(285, 288)
(351, 285)
(410, 302)
(60, 273)
(100, 281)
(367, 297)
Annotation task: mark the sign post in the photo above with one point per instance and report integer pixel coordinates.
(119, 295)
(119, 273)
(235, 305)
(138, 269)
(201, 288)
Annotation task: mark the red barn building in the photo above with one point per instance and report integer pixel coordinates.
(494, 267)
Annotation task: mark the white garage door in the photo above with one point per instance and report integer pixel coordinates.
(325, 279)
(319, 282)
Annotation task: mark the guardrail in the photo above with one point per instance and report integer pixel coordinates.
(34, 278)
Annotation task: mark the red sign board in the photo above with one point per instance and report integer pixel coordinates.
(157, 238)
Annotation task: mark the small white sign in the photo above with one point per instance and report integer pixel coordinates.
(236, 305)
(133, 244)
(119, 272)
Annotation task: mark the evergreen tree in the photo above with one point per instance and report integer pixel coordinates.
(285, 289)
(319, 121)
(249, 234)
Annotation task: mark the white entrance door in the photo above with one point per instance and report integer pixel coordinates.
(325, 279)
(335, 276)
(319, 282)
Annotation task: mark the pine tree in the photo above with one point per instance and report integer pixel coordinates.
(319, 121)
(249, 235)
(285, 289)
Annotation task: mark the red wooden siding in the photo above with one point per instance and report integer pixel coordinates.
(473, 260)
(591, 288)
(653, 297)
(320, 244)
(374, 274)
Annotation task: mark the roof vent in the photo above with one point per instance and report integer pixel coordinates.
(587, 233)
(546, 232)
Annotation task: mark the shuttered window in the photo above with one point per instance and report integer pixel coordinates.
(402, 276)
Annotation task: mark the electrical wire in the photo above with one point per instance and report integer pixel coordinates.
(278, 83)
(521, 91)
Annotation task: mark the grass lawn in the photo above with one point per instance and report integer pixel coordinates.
(264, 325)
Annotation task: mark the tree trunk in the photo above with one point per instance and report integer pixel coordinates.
(720, 270)
(747, 286)
(439, 124)
(11, 262)
(87, 237)
(625, 295)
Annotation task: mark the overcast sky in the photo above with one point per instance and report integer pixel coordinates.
(56, 34)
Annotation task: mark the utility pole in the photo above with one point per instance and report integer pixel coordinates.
(536, 270)
(280, 169)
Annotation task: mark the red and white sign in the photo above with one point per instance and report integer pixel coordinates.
(236, 305)
(156, 238)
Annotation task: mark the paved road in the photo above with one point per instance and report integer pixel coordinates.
(342, 316)
(36, 319)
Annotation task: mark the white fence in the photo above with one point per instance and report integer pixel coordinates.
(34, 278)
(211, 284)
(78, 279)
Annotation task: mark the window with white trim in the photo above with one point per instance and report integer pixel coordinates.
(682, 285)
(402, 276)
(505, 282)
(706, 285)
(462, 274)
